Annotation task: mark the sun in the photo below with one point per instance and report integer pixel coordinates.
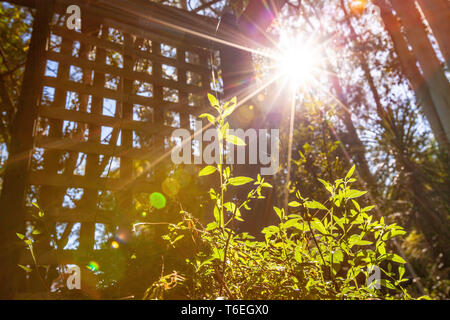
(298, 60)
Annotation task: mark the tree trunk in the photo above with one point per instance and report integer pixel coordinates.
(412, 72)
(363, 63)
(437, 13)
(422, 49)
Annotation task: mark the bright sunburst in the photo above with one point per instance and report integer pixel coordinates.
(298, 59)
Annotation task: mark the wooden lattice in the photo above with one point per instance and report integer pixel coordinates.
(112, 93)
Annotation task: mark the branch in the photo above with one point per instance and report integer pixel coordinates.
(4, 95)
(205, 6)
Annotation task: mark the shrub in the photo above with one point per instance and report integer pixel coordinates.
(317, 250)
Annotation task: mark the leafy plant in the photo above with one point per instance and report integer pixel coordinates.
(316, 251)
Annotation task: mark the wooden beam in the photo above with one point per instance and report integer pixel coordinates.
(135, 53)
(107, 121)
(85, 182)
(75, 215)
(60, 257)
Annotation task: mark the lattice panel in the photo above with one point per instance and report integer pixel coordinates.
(111, 97)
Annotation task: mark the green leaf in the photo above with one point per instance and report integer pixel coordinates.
(338, 256)
(234, 140)
(27, 270)
(294, 204)
(386, 283)
(314, 205)
(298, 255)
(395, 257)
(317, 224)
(230, 206)
(397, 232)
(229, 107)
(270, 230)
(211, 226)
(401, 271)
(363, 243)
(367, 208)
(351, 194)
(218, 253)
(350, 172)
(327, 185)
(212, 100)
(279, 212)
(218, 216)
(356, 204)
(210, 117)
(20, 236)
(230, 104)
(238, 181)
(181, 236)
(207, 171)
(290, 223)
(381, 248)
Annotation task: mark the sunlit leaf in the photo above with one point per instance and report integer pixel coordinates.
(327, 185)
(314, 205)
(207, 171)
(238, 181)
(395, 257)
(350, 172)
(234, 140)
(352, 193)
(294, 204)
(212, 100)
(210, 117)
(27, 269)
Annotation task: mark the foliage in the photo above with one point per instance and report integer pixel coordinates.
(410, 175)
(316, 251)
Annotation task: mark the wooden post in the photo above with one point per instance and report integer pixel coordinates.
(125, 196)
(12, 213)
(90, 196)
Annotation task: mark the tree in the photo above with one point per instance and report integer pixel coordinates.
(437, 14)
(412, 72)
(423, 51)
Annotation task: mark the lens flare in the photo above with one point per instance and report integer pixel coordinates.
(358, 6)
(122, 236)
(298, 59)
(183, 178)
(171, 187)
(115, 245)
(93, 266)
(157, 200)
